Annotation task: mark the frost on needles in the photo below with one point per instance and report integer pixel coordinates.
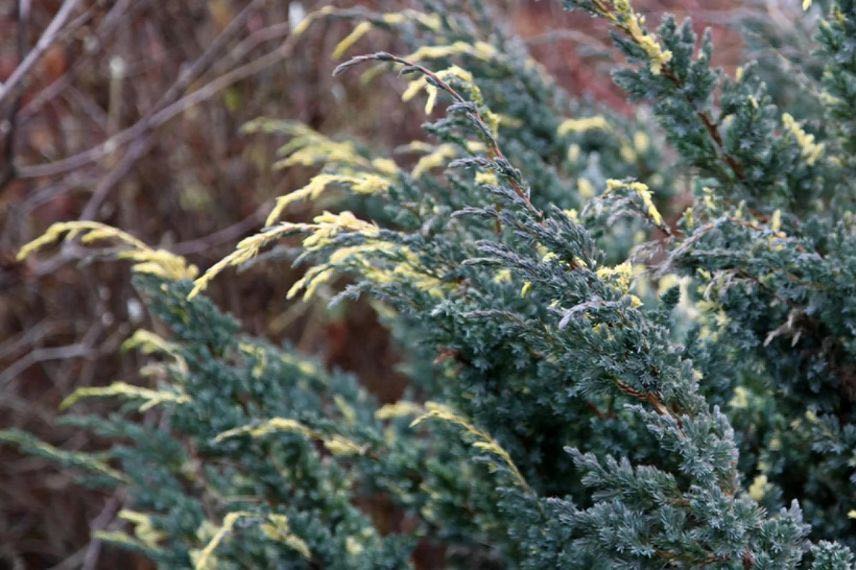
(597, 380)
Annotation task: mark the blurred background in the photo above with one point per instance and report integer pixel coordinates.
(129, 112)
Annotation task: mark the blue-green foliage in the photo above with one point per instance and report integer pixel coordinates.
(609, 387)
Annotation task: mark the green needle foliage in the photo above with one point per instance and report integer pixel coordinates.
(596, 382)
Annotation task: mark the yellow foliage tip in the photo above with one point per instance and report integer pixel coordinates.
(759, 487)
(122, 539)
(621, 275)
(776, 221)
(811, 151)
(148, 343)
(144, 528)
(348, 41)
(439, 157)
(151, 398)
(304, 24)
(417, 85)
(644, 194)
(479, 50)
(430, 21)
(585, 188)
(483, 441)
(147, 260)
(308, 148)
(632, 24)
(399, 409)
(335, 444)
(204, 559)
(276, 528)
(246, 250)
(361, 184)
(583, 125)
(32, 445)
(326, 226)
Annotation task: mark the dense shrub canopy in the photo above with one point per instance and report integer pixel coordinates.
(597, 381)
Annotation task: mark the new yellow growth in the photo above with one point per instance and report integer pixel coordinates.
(146, 259)
(328, 225)
(246, 250)
(644, 194)
(304, 24)
(479, 50)
(399, 409)
(81, 460)
(741, 398)
(151, 398)
(325, 228)
(336, 444)
(359, 184)
(305, 366)
(439, 157)
(148, 342)
(759, 487)
(776, 221)
(486, 178)
(430, 21)
(348, 41)
(641, 141)
(623, 15)
(144, 529)
(310, 148)
(421, 83)
(405, 268)
(583, 125)
(621, 275)
(483, 441)
(585, 188)
(276, 528)
(811, 151)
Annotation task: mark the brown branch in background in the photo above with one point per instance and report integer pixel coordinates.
(15, 83)
(157, 118)
(144, 143)
(7, 168)
(227, 234)
(101, 522)
(118, 12)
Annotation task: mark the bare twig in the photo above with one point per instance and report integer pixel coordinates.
(85, 348)
(42, 354)
(32, 335)
(104, 518)
(108, 25)
(227, 234)
(7, 170)
(137, 150)
(161, 116)
(15, 83)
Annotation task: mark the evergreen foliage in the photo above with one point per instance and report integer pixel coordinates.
(596, 382)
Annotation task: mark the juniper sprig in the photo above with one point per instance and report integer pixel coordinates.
(595, 381)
